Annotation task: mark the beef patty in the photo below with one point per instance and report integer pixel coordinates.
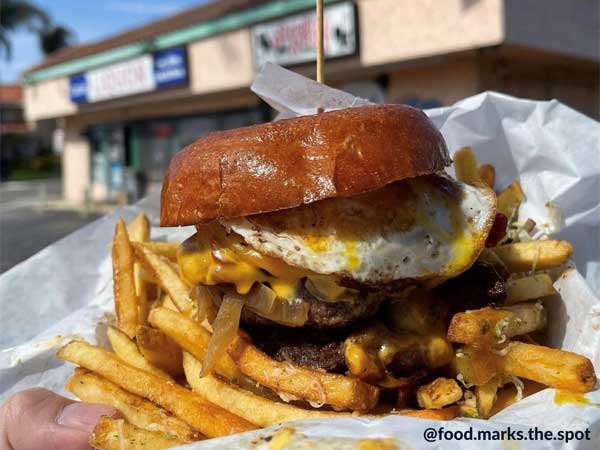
(326, 315)
(309, 348)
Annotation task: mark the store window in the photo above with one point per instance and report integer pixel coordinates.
(152, 143)
(108, 159)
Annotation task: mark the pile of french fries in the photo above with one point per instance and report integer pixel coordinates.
(154, 374)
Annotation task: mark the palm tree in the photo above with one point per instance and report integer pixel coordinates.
(15, 14)
(54, 38)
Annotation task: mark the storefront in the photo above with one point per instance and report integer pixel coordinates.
(125, 157)
(128, 103)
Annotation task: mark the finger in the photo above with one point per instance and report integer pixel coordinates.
(38, 418)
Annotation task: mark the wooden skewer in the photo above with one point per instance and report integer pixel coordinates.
(320, 74)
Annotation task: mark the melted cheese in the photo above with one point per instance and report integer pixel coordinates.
(212, 256)
(377, 346)
(574, 398)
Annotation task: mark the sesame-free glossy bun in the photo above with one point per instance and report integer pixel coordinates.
(283, 164)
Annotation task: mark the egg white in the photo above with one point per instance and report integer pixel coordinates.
(423, 228)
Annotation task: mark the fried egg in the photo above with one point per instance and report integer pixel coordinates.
(428, 227)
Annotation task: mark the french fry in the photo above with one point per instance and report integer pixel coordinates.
(340, 391)
(360, 364)
(168, 303)
(475, 367)
(159, 350)
(526, 318)
(448, 413)
(555, 368)
(254, 408)
(439, 393)
(542, 254)
(465, 166)
(209, 419)
(128, 351)
(510, 199)
(167, 278)
(92, 388)
(117, 434)
(192, 337)
(126, 302)
(487, 174)
(486, 327)
(165, 249)
(139, 231)
(139, 228)
(486, 395)
(528, 288)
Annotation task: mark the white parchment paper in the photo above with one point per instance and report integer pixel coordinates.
(66, 289)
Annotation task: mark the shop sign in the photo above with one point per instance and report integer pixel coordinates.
(142, 74)
(292, 40)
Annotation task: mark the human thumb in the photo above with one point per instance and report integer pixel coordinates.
(37, 418)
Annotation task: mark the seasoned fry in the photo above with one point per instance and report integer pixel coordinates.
(448, 413)
(256, 409)
(126, 302)
(465, 166)
(144, 291)
(543, 254)
(439, 393)
(138, 411)
(117, 434)
(209, 419)
(165, 249)
(486, 327)
(526, 318)
(128, 351)
(159, 350)
(529, 288)
(510, 199)
(487, 174)
(139, 230)
(167, 278)
(192, 337)
(555, 368)
(339, 391)
(474, 367)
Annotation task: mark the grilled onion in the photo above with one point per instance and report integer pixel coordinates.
(225, 328)
(265, 302)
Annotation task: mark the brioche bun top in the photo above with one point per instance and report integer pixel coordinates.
(283, 164)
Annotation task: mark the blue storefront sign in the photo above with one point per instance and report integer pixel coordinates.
(145, 73)
(170, 67)
(78, 88)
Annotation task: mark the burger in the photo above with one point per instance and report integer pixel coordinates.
(312, 233)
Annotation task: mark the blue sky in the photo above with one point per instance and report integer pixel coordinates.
(90, 20)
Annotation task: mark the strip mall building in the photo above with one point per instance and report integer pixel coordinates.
(123, 106)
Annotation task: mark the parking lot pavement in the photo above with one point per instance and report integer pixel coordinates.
(28, 224)
(19, 194)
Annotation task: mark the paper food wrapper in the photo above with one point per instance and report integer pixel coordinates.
(66, 289)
